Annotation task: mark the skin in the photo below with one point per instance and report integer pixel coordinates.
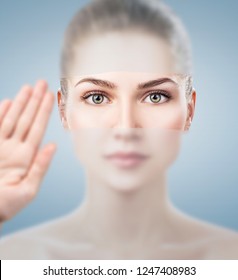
(126, 106)
(22, 163)
(126, 214)
(122, 111)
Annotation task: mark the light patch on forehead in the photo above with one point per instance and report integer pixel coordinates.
(122, 51)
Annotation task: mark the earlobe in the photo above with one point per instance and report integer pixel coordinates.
(61, 107)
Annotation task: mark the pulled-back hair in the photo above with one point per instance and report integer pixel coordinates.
(152, 16)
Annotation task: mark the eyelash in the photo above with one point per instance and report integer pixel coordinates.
(92, 93)
(160, 92)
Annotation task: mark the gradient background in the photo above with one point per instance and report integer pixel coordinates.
(204, 180)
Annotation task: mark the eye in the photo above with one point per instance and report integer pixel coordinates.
(157, 97)
(95, 98)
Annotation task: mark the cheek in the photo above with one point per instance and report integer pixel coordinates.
(79, 117)
(165, 146)
(175, 118)
(88, 144)
(168, 117)
(92, 117)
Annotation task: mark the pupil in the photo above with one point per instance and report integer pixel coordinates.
(97, 98)
(155, 98)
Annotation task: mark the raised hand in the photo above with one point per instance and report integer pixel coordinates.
(23, 122)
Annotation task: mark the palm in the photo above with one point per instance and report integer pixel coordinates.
(15, 159)
(22, 165)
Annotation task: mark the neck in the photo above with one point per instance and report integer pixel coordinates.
(122, 217)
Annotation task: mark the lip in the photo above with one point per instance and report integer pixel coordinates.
(127, 160)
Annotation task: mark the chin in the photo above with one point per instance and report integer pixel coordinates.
(126, 187)
(131, 182)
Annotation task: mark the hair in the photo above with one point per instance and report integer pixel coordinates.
(153, 16)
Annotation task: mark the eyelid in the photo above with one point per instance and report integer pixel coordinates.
(86, 95)
(161, 92)
(94, 92)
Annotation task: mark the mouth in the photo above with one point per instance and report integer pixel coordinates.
(127, 160)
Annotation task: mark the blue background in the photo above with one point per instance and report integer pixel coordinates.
(204, 180)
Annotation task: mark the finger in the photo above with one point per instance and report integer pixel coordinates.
(38, 128)
(27, 117)
(4, 107)
(14, 111)
(37, 171)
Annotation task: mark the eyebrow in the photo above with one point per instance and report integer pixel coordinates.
(156, 82)
(97, 82)
(110, 85)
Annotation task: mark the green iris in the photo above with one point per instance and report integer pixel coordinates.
(97, 98)
(155, 97)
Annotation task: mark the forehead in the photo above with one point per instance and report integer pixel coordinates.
(126, 51)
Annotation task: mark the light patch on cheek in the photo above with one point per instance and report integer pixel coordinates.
(177, 114)
(171, 117)
(76, 117)
(81, 115)
(165, 146)
(176, 119)
(83, 118)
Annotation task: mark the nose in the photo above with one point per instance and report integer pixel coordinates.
(127, 135)
(126, 116)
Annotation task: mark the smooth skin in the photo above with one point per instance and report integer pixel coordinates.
(23, 163)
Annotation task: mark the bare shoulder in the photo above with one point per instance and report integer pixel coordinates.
(224, 247)
(210, 240)
(32, 242)
(219, 242)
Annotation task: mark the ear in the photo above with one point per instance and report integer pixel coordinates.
(191, 109)
(61, 106)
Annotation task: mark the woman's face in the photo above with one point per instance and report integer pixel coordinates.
(126, 124)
